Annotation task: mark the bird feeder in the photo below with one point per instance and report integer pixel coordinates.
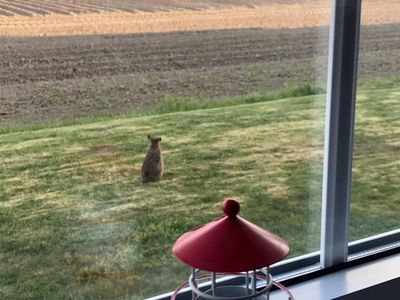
(230, 247)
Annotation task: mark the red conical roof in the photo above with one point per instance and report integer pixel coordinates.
(230, 244)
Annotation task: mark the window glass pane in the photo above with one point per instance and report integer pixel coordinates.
(375, 203)
(235, 89)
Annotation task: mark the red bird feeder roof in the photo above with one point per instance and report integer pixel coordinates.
(230, 244)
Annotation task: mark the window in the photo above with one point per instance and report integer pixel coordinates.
(376, 139)
(237, 92)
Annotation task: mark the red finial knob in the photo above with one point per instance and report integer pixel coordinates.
(230, 207)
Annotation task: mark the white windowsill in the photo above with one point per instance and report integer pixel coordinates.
(346, 281)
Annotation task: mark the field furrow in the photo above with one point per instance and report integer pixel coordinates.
(5, 13)
(80, 7)
(95, 6)
(50, 8)
(32, 8)
(13, 10)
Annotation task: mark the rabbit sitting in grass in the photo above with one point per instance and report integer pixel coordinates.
(152, 168)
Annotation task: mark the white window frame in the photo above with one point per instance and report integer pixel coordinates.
(339, 129)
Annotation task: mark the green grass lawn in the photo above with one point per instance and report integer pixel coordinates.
(77, 223)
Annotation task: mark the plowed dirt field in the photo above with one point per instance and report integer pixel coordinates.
(203, 52)
(97, 17)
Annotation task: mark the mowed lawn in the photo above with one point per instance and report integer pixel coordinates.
(77, 223)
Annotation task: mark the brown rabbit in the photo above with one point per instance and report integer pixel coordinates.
(152, 168)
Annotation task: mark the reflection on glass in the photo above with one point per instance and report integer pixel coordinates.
(233, 88)
(376, 182)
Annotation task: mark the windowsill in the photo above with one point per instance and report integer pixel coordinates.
(346, 281)
(372, 261)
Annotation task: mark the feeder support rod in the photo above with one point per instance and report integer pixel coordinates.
(213, 283)
(254, 282)
(247, 283)
(268, 281)
(194, 279)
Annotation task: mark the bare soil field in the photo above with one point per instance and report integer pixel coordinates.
(45, 7)
(32, 18)
(56, 78)
(45, 77)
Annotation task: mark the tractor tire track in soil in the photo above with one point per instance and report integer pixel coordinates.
(52, 78)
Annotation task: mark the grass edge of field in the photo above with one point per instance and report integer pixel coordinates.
(171, 104)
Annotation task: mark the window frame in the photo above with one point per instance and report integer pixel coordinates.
(336, 252)
(339, 130)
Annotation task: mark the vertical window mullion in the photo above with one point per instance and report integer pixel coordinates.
(341, 91)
